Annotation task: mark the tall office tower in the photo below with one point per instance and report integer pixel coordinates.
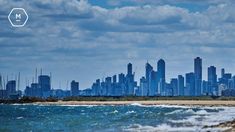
(108, 86)
(153, 83)
(121, 84)
(44, 83)
(212, 80)
(129, 69)
(11, 87)
(103, 88)
(35, 90)
(143, 87)
(181, 85)
(148, 70)
(222, 72)
(74, 88)
(190, 84)
(114, 78)
(98, 85)
(174, 86)
(129, 80)
(161, 76)
(205, 89)
(198, 75)
(114, 86)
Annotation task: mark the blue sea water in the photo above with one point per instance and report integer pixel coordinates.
(136, 117)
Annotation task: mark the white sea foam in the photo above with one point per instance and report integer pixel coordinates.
(203, 117)
(159, 128)
(20, 117)
(168, 128)
(136, 104)
(129, 112)
(174, 112)
(115, 111)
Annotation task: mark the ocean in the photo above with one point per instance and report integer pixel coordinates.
(87, 118)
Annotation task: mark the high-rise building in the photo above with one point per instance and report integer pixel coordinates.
(121, 84)
(198, 75)
(115, 86)
(129, 69)
(222, 72)
(11, 87)
(161, 76)
(205, 89)
(143, 91)
(181, 85)
(174, 86)
(129, 80)
(74, 88)
(108, 85)
(148, 70)
(153, 83)
(212, 81)
(190, 84)
(44, 82)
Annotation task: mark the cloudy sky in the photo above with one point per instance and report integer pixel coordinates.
(86, 40)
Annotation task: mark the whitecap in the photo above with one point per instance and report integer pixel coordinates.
(168, 128)
(174, 112)
(136, 104)
(20, 117)
(115, 111)
(129, 112)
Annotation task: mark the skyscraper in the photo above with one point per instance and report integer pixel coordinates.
(161, 76)
(11, 87)
(44, 82)
(181, 85)
(74, 88)
(198, 75)
(143, 87)
(153, 83)
(121, 84)
(108, 86)
(212, 80)
(148, 70)
(129, 69)
(129, 80)
(174, 86)
(190, 84)
(222, 72)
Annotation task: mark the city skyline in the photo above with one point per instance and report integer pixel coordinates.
(152, 83)
(64, 84)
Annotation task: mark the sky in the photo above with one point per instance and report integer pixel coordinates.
(86, 40)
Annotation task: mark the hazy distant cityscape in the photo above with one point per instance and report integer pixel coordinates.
(153, 83)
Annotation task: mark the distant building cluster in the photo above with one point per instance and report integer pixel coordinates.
(152, 84)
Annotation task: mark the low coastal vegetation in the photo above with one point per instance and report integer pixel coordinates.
(99, 98)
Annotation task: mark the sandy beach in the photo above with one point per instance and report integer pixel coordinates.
(155, 102)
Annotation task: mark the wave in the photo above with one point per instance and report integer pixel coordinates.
(168, 128)
(203, 117)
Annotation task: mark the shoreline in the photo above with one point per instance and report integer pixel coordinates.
(210, 103)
